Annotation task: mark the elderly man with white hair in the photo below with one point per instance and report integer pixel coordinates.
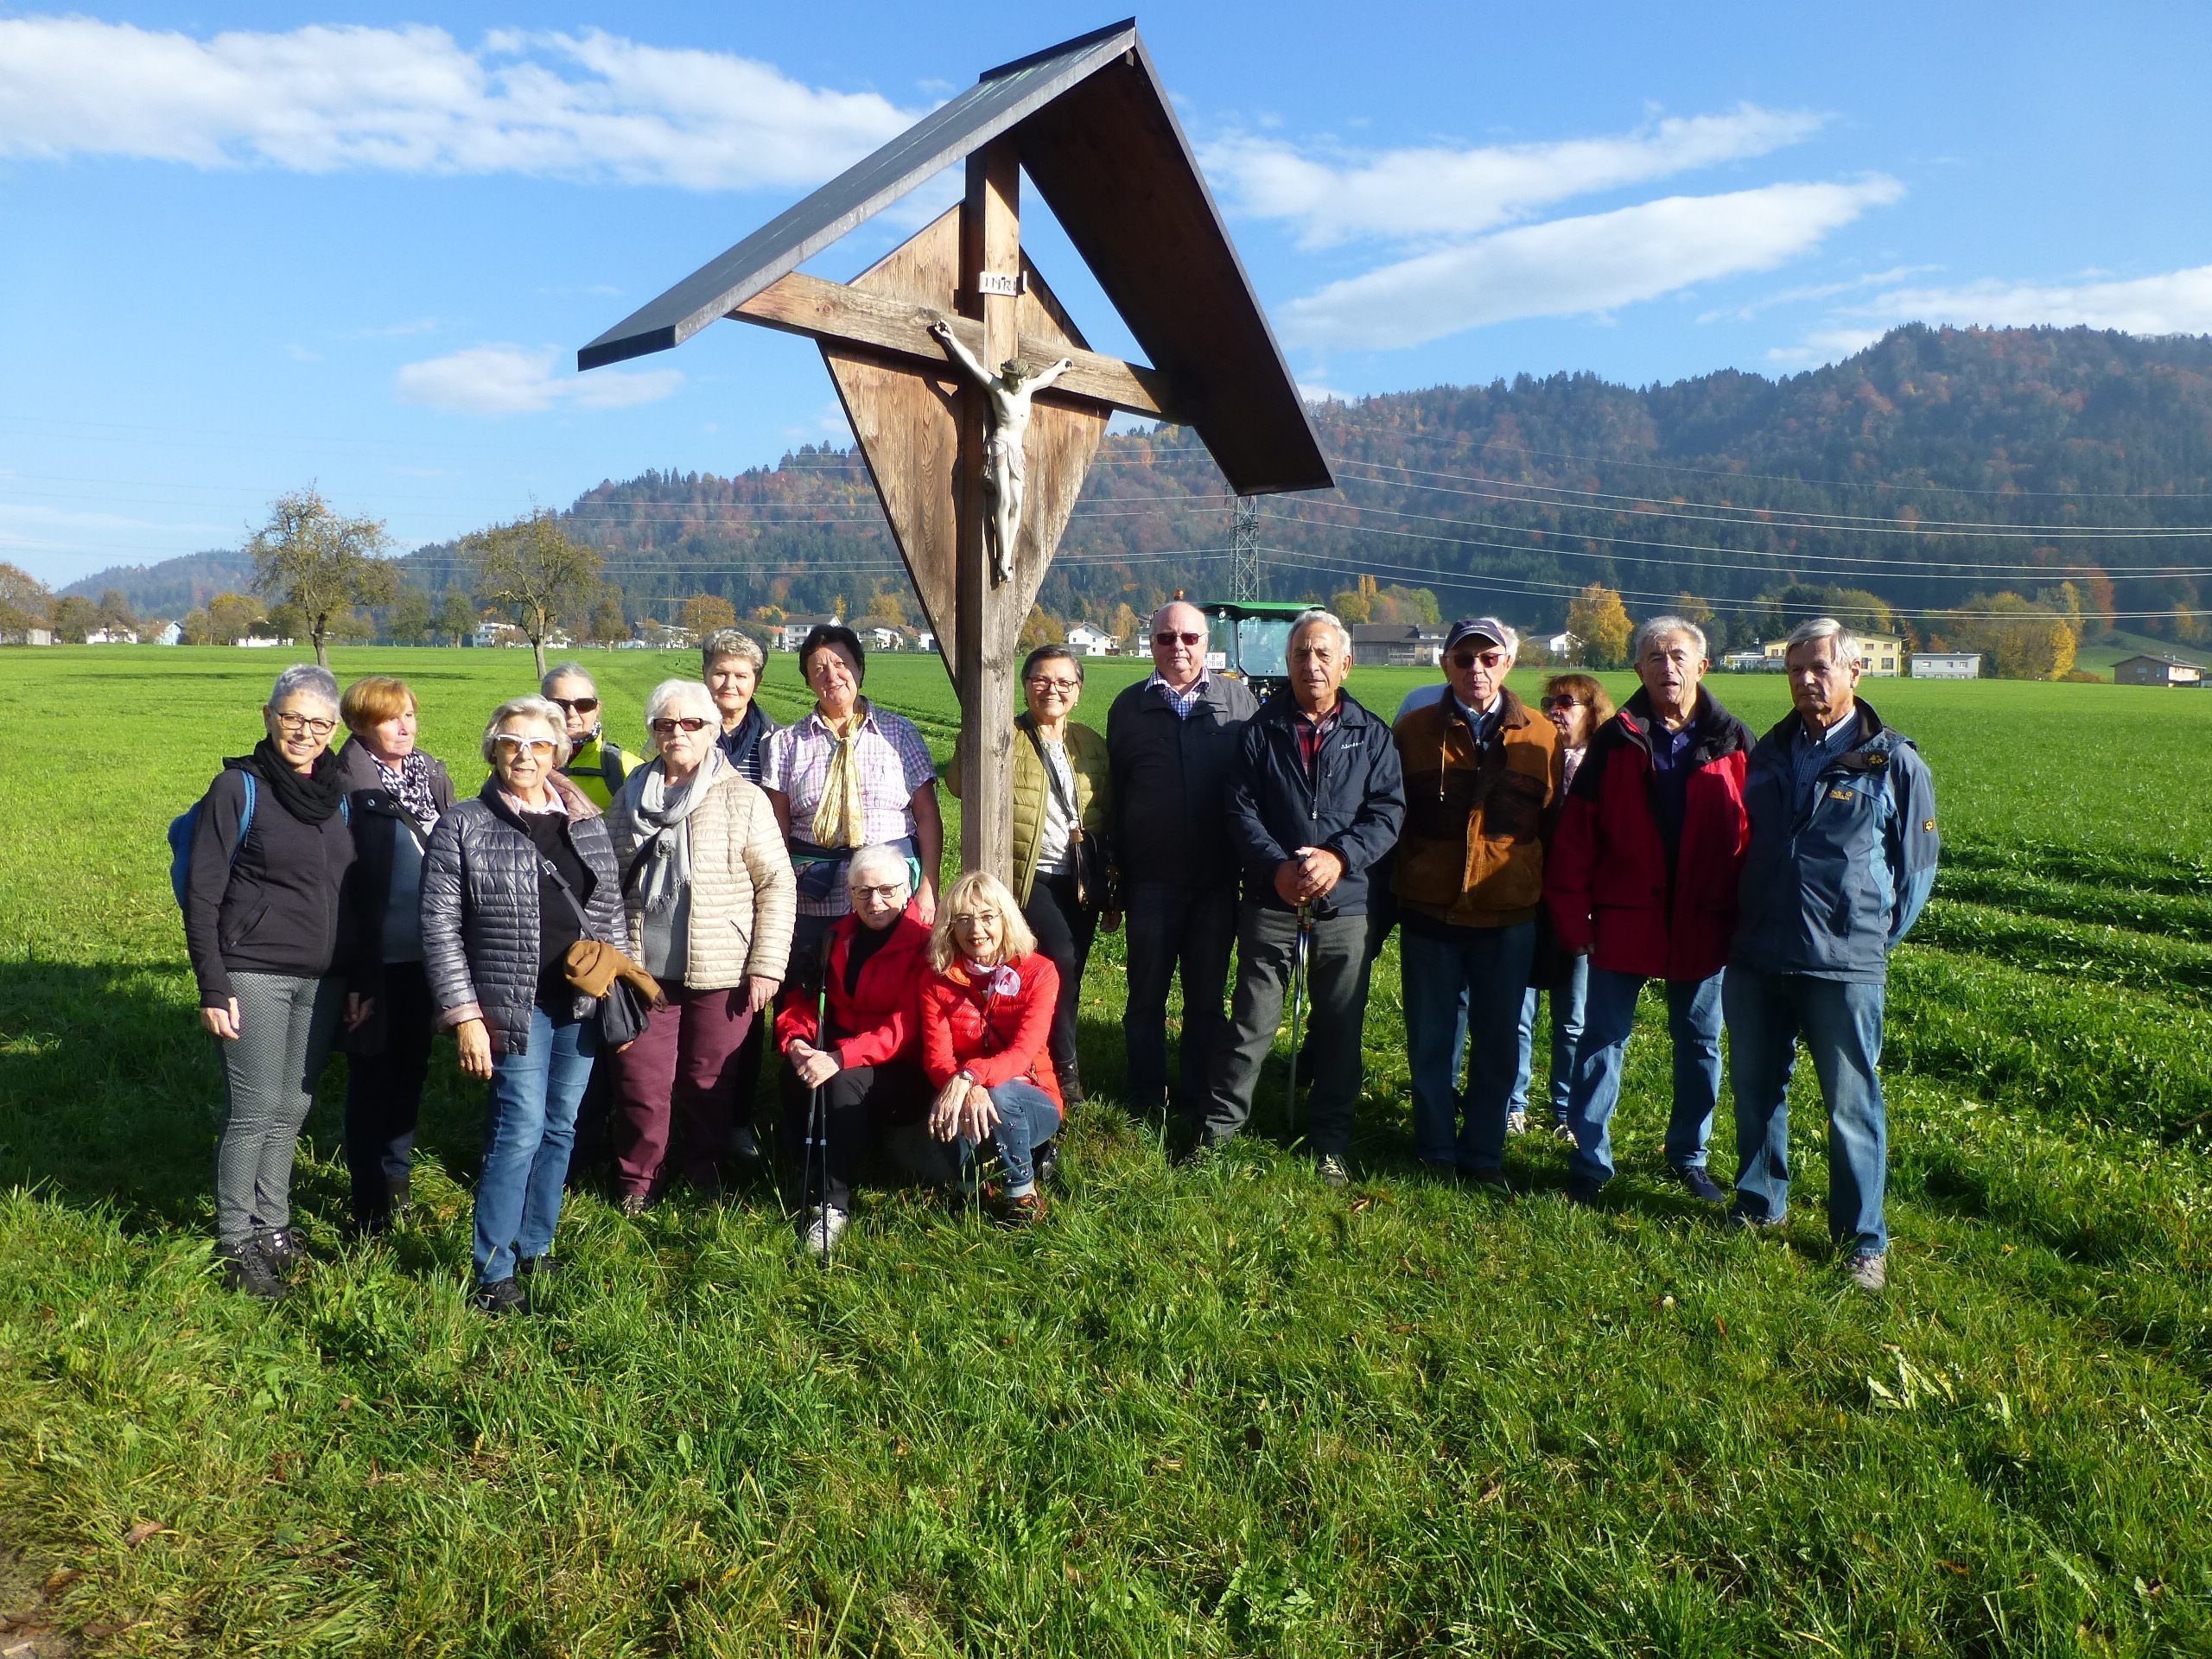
(710, 898)
(1642, 878)
(1171, 742)
(1314, 801)
(1842, 856)
(1482, 773)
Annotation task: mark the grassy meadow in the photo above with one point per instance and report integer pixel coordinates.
(1226, 1412)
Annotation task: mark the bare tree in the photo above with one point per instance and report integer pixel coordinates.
(536, 574)
(322, 565)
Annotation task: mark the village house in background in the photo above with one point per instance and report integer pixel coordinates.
(1092, 642)
(2157, 670)
(1397, 645)
(1880, 653)
(1946, 665)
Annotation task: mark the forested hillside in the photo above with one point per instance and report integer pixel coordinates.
(1936, 468)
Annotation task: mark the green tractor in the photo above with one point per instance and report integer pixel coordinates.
(1250, 638)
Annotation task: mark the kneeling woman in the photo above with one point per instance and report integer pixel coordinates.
(987, 1026)
(511, 881)
(866, 1064)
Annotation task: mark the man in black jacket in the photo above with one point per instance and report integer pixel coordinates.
(1171, 742)
(1315, 800)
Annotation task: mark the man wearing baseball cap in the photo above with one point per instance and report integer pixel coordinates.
(1482, 775)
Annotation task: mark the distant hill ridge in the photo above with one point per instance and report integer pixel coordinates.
(1935, 463)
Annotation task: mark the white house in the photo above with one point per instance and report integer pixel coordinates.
(112, 637)
(790, 633)
(497, 634)
(1092, 642)
(1946, 665)
(261, 642)
(172, 635)
(1563, 647)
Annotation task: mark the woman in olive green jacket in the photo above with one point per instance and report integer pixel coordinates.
(1063, 805)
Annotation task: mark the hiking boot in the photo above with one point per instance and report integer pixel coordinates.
(1698, 1184)
(825, 1225)
(1021, 1210)
(500, 1296)
(1335, 1174)
(244, 1269)
(634, 1204)
(1869, 1271)
(1740, 1220)
(1516, 1122)
(1072, 1095)
(745, 1146)
(280, 1247)
(1583, 1192)
(1045, 1160)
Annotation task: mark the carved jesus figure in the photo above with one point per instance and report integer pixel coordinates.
(1005, 445)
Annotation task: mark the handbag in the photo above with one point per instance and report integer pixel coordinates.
(626, 993)
(1093, 882)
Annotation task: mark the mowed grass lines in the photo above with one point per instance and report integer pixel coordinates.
(1221, 1413)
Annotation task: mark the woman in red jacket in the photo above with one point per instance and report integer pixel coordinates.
(868, 1063)
(987, 1025)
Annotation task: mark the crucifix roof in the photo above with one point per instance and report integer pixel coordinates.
(1102, 146)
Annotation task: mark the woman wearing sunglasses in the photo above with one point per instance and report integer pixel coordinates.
(707, 890)
(513, 878)
(595, 765)
(270, 941)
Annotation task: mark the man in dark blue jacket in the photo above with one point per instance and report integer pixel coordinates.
(1843, 851)
(1315, 798)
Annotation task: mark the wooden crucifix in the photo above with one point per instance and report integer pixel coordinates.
(976, 403)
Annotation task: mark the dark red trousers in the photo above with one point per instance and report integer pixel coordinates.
(682, 1075)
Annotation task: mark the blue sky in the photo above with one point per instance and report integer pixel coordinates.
(241, 252)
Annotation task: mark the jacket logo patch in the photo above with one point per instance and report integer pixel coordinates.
(1840, 794)
(1928, 826)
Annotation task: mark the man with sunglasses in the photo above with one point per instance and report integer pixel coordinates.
(1171, 742)
(595, 765)
(1642, 878)
(1482, 775)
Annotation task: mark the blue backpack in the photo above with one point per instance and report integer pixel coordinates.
(181, 840)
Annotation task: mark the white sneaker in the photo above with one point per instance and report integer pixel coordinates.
(1516, 1122)
(825, 1225)
(1563, 1131)
(1869, 1272)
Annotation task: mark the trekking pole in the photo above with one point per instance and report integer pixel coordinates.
(1299, 950)
(814, 1164)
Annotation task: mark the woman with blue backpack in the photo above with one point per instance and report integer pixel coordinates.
(268, 930)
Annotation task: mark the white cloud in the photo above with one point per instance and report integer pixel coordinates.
(2175, 302)
(589, 107)
(1572, 267)
(1310, 393)
(520, 380)
(1437, 192)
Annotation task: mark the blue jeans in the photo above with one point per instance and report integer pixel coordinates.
(1841, 1023)
(1692, 1025)
(1569, 992)
(526, 1144)
(1027, 1118)
(1463, 995)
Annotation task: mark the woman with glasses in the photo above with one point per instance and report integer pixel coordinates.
(855, 1048)
(270, 939)
(1063, 808)
(398, 793)
(595, 765)
(707, 889)
(514, 877)
(849, 775)
(986, 1022)
(1577, 706)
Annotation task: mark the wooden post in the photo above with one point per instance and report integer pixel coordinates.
(989, 626)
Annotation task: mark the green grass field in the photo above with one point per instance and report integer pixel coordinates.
(1228, 1412)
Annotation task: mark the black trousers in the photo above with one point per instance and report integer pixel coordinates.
(383, 1093)
(856, 1105)
(1065, 931)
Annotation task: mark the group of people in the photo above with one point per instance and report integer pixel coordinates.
(637, 931)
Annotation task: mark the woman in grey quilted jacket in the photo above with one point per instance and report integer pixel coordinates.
(511, 881)
(710, 899)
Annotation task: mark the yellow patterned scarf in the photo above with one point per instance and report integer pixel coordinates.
(837, 817)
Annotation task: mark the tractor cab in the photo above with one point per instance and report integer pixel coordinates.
(1251, 639)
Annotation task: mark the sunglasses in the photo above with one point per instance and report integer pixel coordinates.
(1170, 638)
(1562, 702)
(508, 744)
(665, 727)
(579, 705)
(1467, 659)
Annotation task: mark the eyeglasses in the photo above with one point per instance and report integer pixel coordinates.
(306, 723)
(1043, 687)
(665, 728)
(1170, 638)
(579, 705)
(889, 892)
(512, 746)
(1464, 660)
(1563, 702)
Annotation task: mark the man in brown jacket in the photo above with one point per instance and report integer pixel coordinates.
(1482, 774)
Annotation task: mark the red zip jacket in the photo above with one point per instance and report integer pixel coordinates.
(1606, 883)
(997, 1036)
(879, 1020)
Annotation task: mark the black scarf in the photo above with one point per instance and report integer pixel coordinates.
(312, 798)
